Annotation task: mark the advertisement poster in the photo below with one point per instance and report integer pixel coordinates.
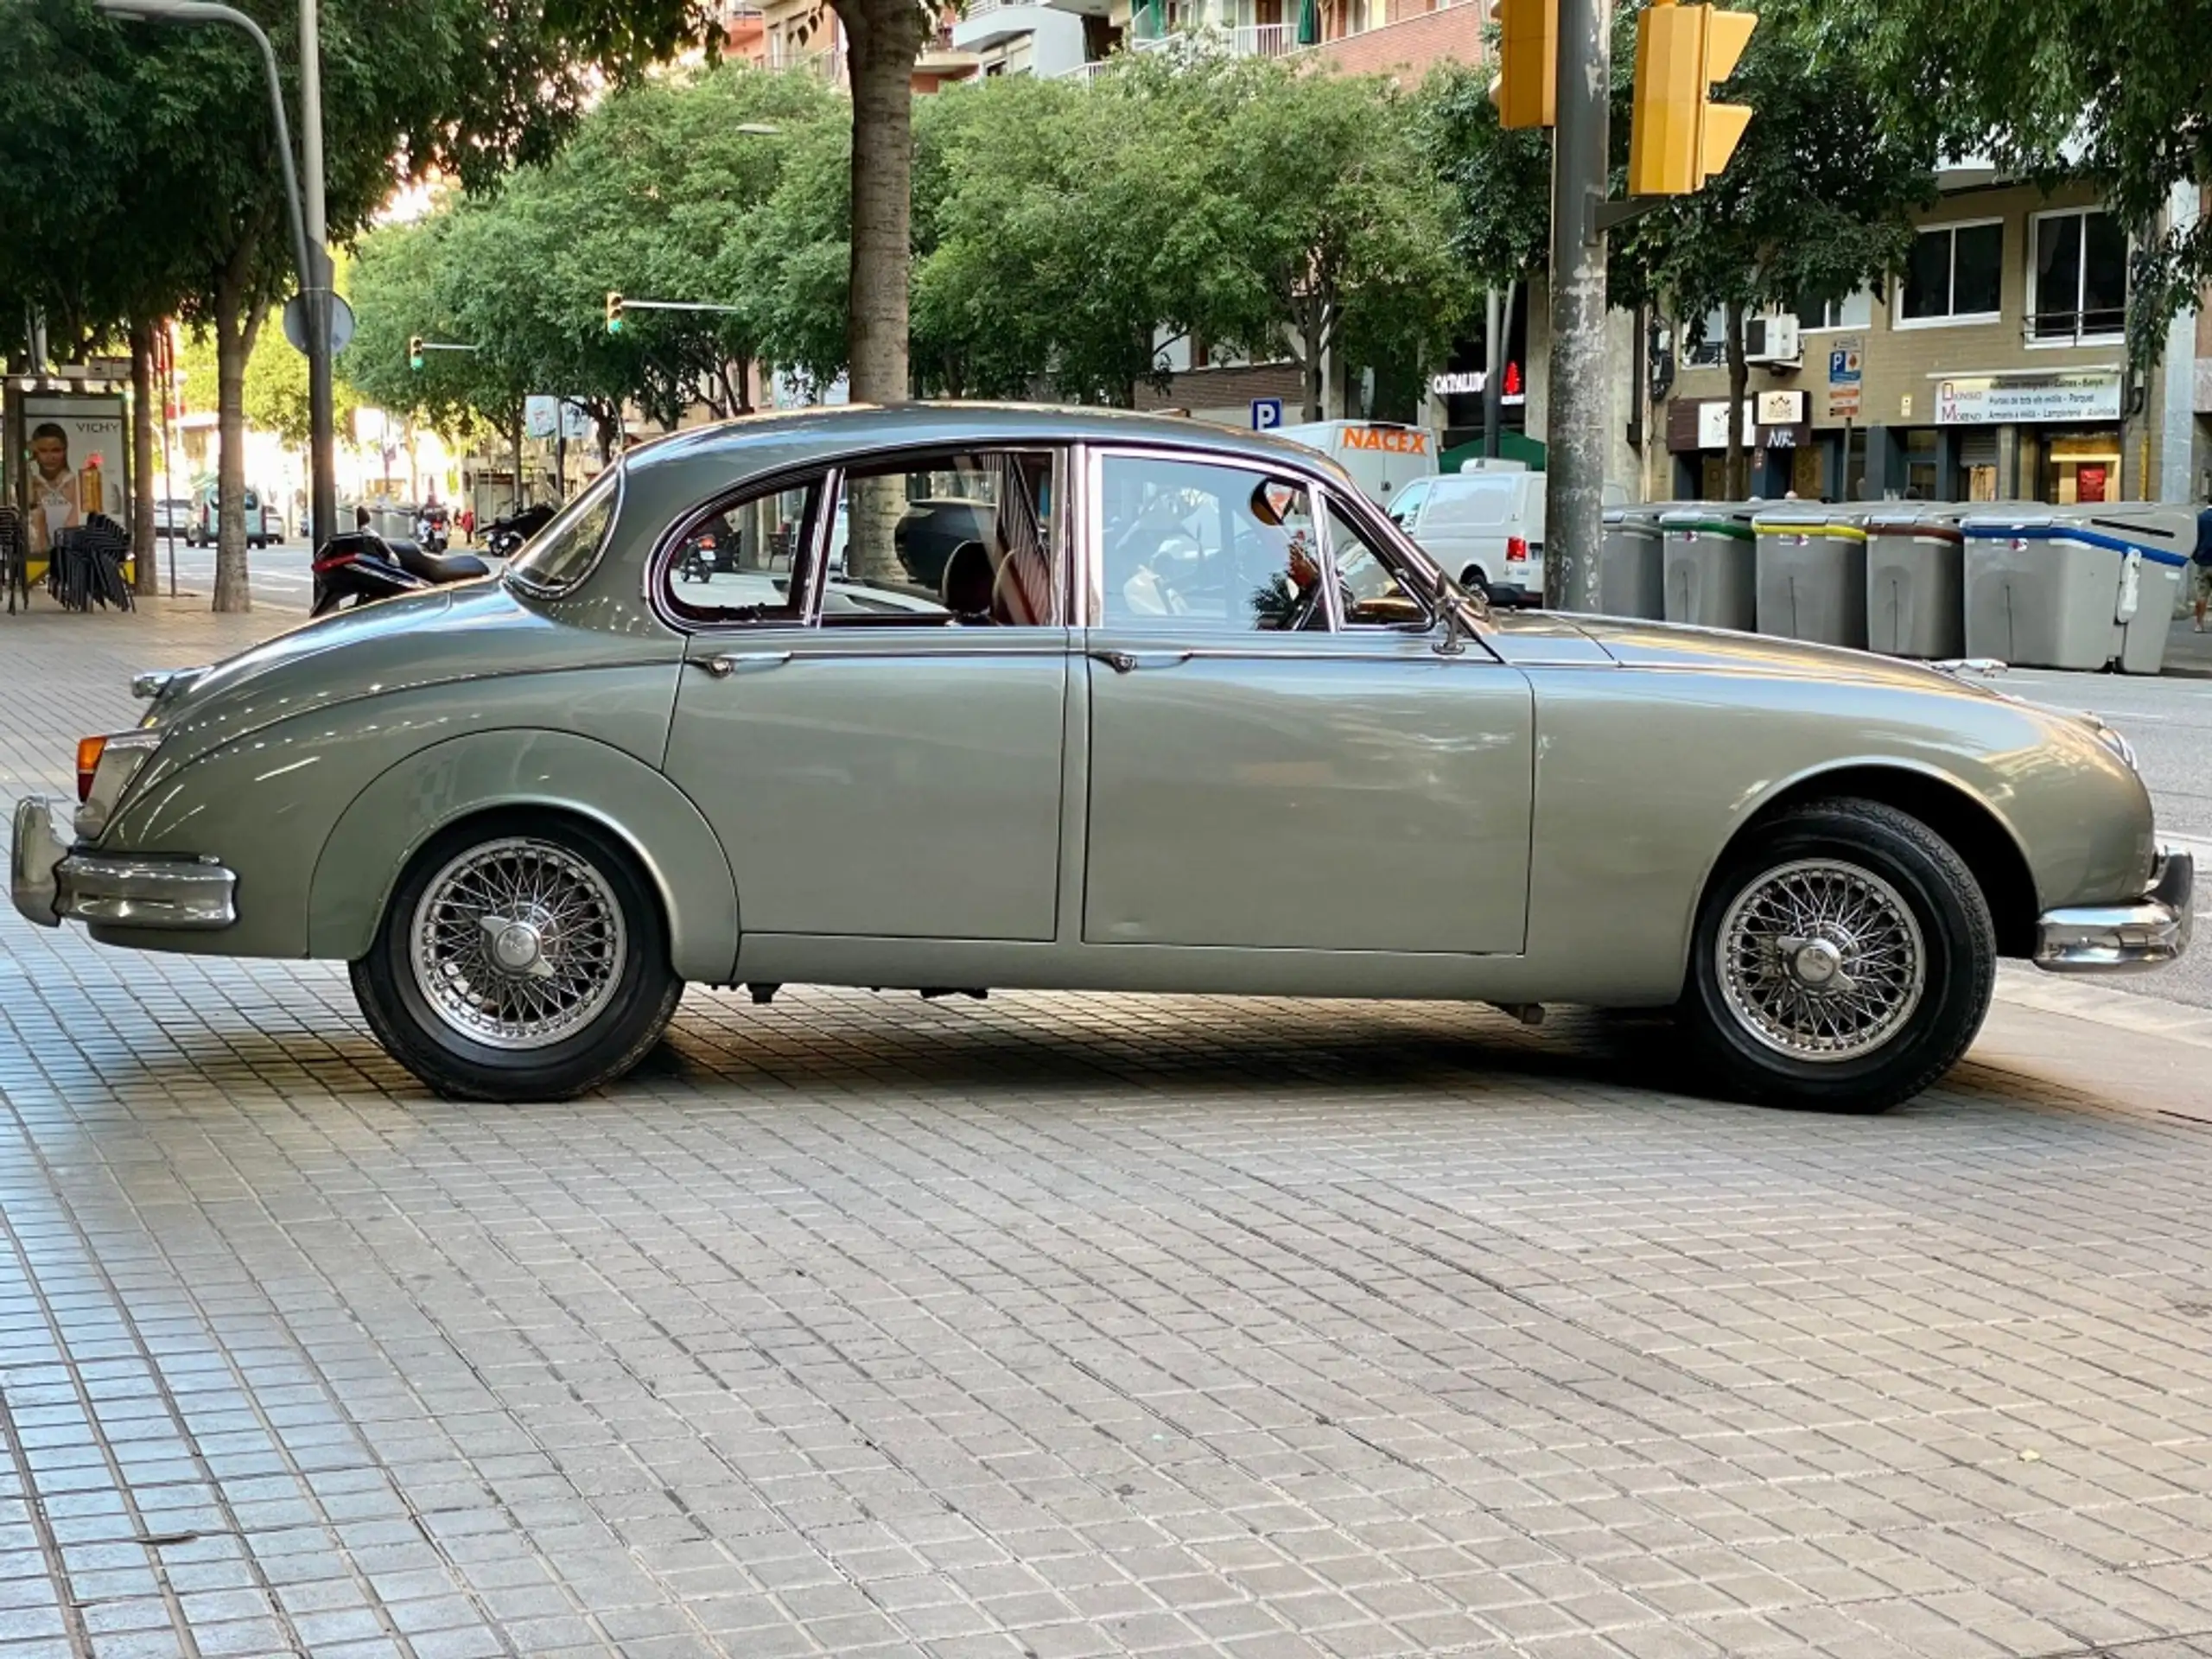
(72, 464)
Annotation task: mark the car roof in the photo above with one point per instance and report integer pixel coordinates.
(867, 426)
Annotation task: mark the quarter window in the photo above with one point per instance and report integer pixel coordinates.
(1193, 546)
(563, 554)
(2079, 278)
(1955, 274)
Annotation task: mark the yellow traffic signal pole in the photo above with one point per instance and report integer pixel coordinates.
(1577, 396)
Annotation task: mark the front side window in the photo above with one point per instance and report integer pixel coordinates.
(2079, 278)
(964, 540)
(1370, 592)
(562, 554)
(1955, 273)
(1197, 546)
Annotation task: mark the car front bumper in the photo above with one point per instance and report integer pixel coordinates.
(2147, 933)
(51, 883)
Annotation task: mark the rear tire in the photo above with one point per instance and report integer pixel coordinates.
(519, 959)
(1844, 959)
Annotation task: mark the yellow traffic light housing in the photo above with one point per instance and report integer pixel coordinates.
(1527, 49)
(1680, 138)
(613, 312)
(415, 351)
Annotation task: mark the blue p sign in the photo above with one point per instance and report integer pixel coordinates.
(1267, 414)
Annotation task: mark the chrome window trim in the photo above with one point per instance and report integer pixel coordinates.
(541, 590)
(1364, 516)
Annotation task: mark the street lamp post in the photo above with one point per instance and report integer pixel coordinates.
(306, 208)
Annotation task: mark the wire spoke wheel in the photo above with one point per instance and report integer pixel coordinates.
(1821, 960)
(518, 944)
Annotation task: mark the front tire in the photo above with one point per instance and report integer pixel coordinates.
(519, 960)
(1844, 958)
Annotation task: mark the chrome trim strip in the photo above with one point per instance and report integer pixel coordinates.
(2128, 938)
(50, 884)
(38, 849)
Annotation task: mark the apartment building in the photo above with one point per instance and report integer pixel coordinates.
(1992, 366)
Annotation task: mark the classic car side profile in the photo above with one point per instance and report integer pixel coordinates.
(1181, 712)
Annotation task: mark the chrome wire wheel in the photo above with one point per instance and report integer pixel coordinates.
(518, 944)
(1821, 960)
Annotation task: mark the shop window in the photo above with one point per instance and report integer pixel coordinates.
(2078, 284)
(1955, 274)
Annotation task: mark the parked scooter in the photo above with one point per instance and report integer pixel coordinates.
(361, 566)
(503, 538)
(432, 528)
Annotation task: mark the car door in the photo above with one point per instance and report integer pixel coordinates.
(1273, 763)
(879, 759)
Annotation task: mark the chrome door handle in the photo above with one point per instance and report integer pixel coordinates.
(1128, 662)
(742, 662)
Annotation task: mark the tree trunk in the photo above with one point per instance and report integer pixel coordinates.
(236, 322)
(144, 545)
(1314, 345)
(1738, 473)
(882, 39)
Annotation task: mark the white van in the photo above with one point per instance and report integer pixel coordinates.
(1382, 456)
(1485, 526)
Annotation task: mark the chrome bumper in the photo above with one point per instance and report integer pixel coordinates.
(2125, 938)
(51, 885)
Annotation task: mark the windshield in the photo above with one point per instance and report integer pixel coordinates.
(563, 554)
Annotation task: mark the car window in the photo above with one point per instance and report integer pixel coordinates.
(1474, 504)
(1195, 545)
(562, 554)
(961, 539)
(745, 559)
(1408, 502)
(1371, 591)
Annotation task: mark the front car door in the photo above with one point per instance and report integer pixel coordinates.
(1277, 761)
(881, 754)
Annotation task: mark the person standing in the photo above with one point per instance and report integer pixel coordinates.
(2200, 565)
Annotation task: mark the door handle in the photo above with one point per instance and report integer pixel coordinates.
(741, 662)
(1128, 662)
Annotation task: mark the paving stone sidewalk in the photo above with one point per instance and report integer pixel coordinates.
(1054, 1326)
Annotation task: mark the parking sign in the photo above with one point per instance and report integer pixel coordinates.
(1267, 414)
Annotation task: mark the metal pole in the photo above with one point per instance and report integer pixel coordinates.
(1577, 409)
(1493, 370)
(322, 436)
(168, 372)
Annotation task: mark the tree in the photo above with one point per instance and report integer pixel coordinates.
(1817, 199)
(882, 39)
(1500, 179)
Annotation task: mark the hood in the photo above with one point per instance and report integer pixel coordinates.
(1636, 643)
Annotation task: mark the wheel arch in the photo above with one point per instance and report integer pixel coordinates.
(492, 774)
(1983, 842)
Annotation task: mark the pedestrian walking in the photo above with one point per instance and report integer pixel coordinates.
(2200, 565)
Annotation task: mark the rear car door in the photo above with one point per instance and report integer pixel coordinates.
(1276, 760)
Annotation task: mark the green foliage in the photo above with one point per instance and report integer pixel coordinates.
(1501, 181)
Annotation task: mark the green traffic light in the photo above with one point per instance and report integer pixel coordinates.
(416, 361)
(614, 324)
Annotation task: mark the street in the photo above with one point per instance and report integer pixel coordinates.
(278, 575)
(1067, 1325)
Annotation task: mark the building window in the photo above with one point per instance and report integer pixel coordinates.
(2078, 284)
(1854, 310)
(1955, 274)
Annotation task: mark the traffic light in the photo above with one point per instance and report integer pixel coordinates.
(415, 351)
(1527, 45)
(1680, 138)
(613, 312)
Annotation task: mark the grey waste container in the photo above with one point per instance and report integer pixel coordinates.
(1915, 582)
(388, 522)
(1811, 573)
(2081, 587)
(1711, 566)
(2159, 539)
(1631, 575)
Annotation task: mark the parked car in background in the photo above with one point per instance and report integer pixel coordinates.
(1196, 718)
(1485, 526)
(1382, 456)
(172, 516)
(272, 524)
(204, 528)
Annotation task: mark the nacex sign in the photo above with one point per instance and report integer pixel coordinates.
(1395, 439)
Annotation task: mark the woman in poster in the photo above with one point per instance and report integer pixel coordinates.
(54, 506)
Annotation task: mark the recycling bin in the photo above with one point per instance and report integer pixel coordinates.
(2159, 538)
(1632, 574)
(1711, 566)
(2080, 587)
(1916, 581)
(1811, 573)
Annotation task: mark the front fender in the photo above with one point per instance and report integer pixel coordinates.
(392, 820)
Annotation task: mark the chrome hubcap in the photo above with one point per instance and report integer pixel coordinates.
(518, 944)
(1821, 960)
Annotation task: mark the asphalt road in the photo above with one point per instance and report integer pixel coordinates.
(278, 575)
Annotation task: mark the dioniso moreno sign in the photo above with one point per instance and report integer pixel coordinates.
(1985, 400)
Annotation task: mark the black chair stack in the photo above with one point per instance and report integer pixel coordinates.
(87, 566)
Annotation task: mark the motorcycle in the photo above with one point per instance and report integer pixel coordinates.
(361, 566)
(504, 538)
(431, 526)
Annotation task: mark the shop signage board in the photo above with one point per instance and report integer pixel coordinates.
(1846, 358)
(1985, 400)
(1713, 424)
(1781, 408)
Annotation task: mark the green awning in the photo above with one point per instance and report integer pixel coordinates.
(1309, 23)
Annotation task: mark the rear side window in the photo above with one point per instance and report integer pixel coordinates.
(563, 554)
(1474, 504)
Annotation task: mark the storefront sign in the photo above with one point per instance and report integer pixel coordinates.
(1781, 408)
(1394, 440)
(1463, 385)
(1713, 424)
(1985, 400)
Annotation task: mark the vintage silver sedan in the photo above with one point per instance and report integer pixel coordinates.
(958, 697)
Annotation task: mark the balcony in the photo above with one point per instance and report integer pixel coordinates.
(993, 23)
(1245, 40)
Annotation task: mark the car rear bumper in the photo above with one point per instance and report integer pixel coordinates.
(2125, 938)
(50, 883)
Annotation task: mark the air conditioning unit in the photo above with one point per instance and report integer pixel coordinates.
(1772, 340)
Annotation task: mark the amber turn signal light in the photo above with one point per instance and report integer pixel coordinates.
(89, 750)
